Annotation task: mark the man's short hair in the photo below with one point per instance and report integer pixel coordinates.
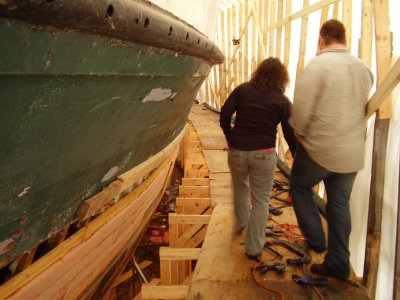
(333, 31)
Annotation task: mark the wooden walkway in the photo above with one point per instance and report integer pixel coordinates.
(222, 270)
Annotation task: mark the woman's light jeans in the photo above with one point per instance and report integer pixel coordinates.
(252, 175)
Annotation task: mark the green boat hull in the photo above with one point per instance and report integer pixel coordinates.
(76, 111)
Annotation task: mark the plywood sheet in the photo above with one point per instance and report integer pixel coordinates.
(217, 161)
(221, 188)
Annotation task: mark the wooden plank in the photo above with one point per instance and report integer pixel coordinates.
(193, 202)
(68, 264)
(197, 239)
(272, 20)
(335, 14)
(246, 75)
(196, 181)
(167, 253)
(164, 292)
(396, 281)
(288, 31)
(154, 281)
(194, 191)
(260, 23)
(383, 51)
(365, 50)
(191, 230)
(303, 43)
(240, 47)
(304, 12)
(98, 201)
(254, 36)
(347, 20)
(165, 272)
(235, 33)
(384, 89)
(221, 188)
(188, 219)
(279, 31)
(217, 161)
(138, 172)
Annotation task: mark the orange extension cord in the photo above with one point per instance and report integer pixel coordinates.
(288, 230)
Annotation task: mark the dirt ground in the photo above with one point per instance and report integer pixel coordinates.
(148, 248)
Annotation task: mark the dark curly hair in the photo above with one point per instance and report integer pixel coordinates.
(270, 75)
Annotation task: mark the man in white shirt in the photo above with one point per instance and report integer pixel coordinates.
(329, 122)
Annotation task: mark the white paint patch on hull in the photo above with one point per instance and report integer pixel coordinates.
(159, 94)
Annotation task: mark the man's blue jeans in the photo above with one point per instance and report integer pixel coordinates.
(252, 175)
(305, 174)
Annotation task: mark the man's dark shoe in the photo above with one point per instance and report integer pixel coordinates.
(257, 258)
(306, 246)
(323, 270)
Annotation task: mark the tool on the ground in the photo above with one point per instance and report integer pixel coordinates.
(271, 232)
(305, 258)
(264, 267)
(309, 280)
(269, 248)
(274, 210)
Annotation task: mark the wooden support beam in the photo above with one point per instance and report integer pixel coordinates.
(383, 51)
(386, 87)
(188, 219)
(279, 31)
(167, 253)
(381, 131)
(197, 239)
(154, 281)
(150, 292)
(260, 34)
(194, 191)
(272, 20)
(365, 49)
(183, 201)
(303, 43)
(196, 181)
(347, 20)
(304, 12)
(288, 32)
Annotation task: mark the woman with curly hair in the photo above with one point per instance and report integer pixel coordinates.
(260, 105)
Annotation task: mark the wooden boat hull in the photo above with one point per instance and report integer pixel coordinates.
(85, 265)
(82, 104)
(89, 90)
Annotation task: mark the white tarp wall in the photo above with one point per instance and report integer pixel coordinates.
(202, 14)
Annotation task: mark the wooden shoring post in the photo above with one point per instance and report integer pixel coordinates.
(150, 292)
(254, 36)
(223, 69)
(347, 20)
(381, 129)
(324, 18)
(235, 35)
(266, 33)
(259, 41)
(242, 18)
(246, 45)
(207, 92)
(217, 99)
(303, 43)
(288, 31)
(243, 35)
(272, 20)
(228, 53)
(365, 49)
(261, 48)
(304, 12)
(335, 14)
(278, 52)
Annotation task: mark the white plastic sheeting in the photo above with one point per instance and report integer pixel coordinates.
(202, 14)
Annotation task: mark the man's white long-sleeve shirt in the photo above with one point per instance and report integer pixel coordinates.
(329, 109)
